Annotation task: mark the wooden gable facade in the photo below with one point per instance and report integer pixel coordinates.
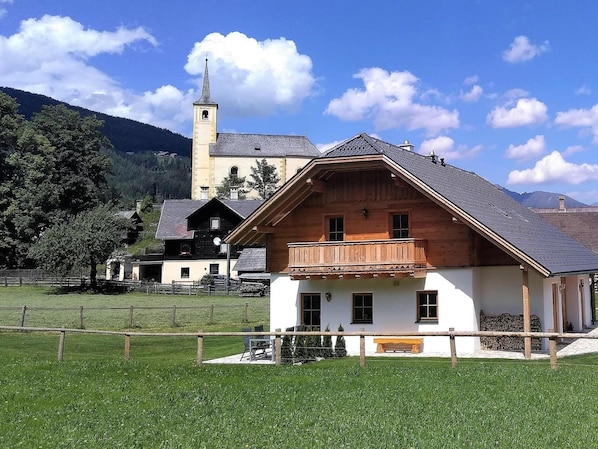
(369, 203)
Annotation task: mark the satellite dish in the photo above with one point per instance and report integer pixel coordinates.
(217, 241)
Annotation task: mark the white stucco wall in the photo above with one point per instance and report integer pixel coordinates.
(394, 306)
(462, 295)
(171, 269)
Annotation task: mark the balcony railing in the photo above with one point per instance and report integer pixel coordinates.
(402, 257)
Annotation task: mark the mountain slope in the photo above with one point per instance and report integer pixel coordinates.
(126, 135)
(542, 200)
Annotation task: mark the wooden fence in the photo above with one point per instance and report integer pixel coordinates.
(173, 310)
(278, 335)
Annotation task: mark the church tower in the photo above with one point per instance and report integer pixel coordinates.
(204, 133)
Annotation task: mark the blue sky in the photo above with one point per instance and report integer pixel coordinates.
(507, 89)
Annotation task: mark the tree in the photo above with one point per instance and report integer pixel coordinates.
(83, 241)
(55, 168)
(80, 168)
(264, 179)
(231, 181)
(11, 124)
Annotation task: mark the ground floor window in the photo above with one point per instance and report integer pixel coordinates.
(427, 306)
(185, 272)
(214, 267)
(363, 308)
(310, 309)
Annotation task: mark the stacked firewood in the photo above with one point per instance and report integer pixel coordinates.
(507, 323)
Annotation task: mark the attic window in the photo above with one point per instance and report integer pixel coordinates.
(214, 223)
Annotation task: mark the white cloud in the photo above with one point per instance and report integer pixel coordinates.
(573, 149)
(59, 51)
(253, 77)
(580, 118)
(390, 99)
(527, 111)
(4, 11)
(554, 168)
(521, 50)
(471, 80)
(533, 148)
(444, 147)
(473, 95)
(583, 90)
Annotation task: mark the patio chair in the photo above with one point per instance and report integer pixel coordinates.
(245, 341)
(263, 345)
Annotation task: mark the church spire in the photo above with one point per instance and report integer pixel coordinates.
(205, 89)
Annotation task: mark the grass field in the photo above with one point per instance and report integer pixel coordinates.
(161, 399)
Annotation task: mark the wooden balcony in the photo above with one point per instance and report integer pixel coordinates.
(358, 258)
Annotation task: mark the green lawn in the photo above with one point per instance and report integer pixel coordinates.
(161, 399)
(167, 402)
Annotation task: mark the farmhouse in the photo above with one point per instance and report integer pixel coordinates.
(377, 237)
(216, 156)
(193, 232)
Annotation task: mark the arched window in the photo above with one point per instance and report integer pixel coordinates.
(234, 171)
(204, 114)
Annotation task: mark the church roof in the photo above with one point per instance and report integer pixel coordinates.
(263, 145)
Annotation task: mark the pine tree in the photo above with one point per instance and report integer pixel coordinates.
(340, 348)
(264, 179)
(327, 345)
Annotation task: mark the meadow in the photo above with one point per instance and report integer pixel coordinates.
(162, 399)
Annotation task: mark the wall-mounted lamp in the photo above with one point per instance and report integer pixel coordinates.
(364, 212)
(581, 283)
(328, 296)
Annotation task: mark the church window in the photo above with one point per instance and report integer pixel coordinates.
(204, 114)
(234, 171)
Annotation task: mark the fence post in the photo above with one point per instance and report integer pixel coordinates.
(23, 311)
(61, 344)
(212, 314)
(552, 351)
(173, 288)
(174, 316)
(453, 348)
(199, 349)
(245, 319)
(127, 346)
(362, 348)
(278, 348)
(130, 317)
(81, 326)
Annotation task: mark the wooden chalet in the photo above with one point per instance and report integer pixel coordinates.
(375, 236)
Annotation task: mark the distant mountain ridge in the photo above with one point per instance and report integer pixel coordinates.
(542, 200)
(126, 135)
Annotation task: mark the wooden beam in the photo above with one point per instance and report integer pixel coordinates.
(316, 185)
(264, 229)
(527, 326)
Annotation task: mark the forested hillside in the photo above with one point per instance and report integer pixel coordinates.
(146, 160)
(124, 134)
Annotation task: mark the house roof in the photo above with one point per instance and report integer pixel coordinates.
(173, 218)
(471, 199)
(251, 260)
(263, 145)
(580, 223)
(129, 215)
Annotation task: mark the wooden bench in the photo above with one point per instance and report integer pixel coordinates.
(399, 344)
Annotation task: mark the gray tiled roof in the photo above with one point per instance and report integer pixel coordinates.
(244, 145)
(251, 260)
(173, 218)
(242, 207)
(483, 204)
